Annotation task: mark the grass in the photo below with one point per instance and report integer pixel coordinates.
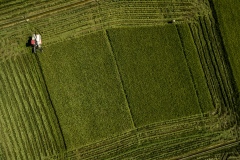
(154, 72)
(85, 90)
(229, 21)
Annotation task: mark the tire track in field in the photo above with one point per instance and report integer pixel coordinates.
(44, 13)
(209, 150)
(203, 63)
(30, 89)
(33, 109)
(7, 141)
(190, 71)
(62, 8)
(210, 54)
(26, 115)
(47, 94)
(12, 113)
(93, 16)
(128, 13)
(123, 20)
(33, 134)
(214, 65)
(167, 150)
(22, 8)
(107, 39)
(203, 47)
(46, 102)
(166, 135)
(221, 62)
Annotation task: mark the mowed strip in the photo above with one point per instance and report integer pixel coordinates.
(195, 68)
(85, 89)
(154, 72)
(28, 125)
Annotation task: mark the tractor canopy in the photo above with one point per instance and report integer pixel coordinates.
(36, 39)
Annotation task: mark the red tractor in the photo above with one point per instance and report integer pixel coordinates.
(36, 42)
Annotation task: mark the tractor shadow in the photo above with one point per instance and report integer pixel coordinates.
(28, 43)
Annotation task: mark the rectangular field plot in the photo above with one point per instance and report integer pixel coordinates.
(155, 74)
(85, 89)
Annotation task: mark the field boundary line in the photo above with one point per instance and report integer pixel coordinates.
(190, 70)
(226, 62)
(108, 41)
(203, 65)
(51, 103)
(119, 145)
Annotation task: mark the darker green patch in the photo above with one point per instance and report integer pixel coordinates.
(85, 90)
(155, 73)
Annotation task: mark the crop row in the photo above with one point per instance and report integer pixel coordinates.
(31, 131)
(170, 150)
(160, 149)
(215, 149)
(136, 138)
(122, 140)
(117, 17)
(120, 4)
(212, 57)
(43, 93)
(211, 47)
(82, 9)
(93, 16)
(104, 15)
(220, 61)
(92, 12)
(30, 8)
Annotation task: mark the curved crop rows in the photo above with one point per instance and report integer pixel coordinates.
(213, 62)
(60, 20)
(19, 11)
(29, 126)
(153, 139)
(211, 149)
(30, 130)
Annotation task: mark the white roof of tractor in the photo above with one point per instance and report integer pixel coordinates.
(36, 42)
(37, 38)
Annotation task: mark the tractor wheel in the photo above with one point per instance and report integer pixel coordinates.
(34, 49)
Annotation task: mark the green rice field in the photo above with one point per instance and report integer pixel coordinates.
(119, 80)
